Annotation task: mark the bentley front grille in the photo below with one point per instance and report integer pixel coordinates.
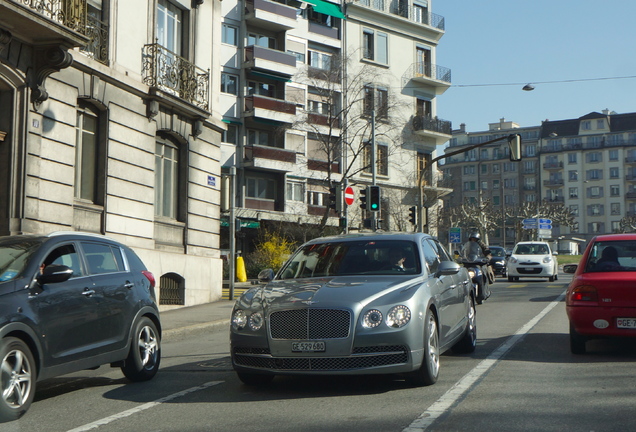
(307, 324)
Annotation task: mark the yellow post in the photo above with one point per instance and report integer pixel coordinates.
(241, 274)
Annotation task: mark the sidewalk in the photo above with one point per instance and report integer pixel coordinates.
(208, 317)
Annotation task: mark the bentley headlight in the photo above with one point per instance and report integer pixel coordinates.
(372, 319)
(398, 316)
(239, 319)
(256, 321)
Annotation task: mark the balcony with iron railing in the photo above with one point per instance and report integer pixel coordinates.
(413, 13)
(553, 183)
(630, 160)
(432, 75)
(270, 15)
(553, 165)
(172, 74)
(97, 47)
(433, 127)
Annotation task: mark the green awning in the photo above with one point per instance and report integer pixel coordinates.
(327, 8)
(232, 122)
(271, 76)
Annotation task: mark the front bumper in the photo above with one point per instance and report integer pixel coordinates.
(519, 270)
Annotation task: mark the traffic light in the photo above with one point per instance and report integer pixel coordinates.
(413, 215)
(514, 142)
(363, 197)
(335, 198)
(374, 198)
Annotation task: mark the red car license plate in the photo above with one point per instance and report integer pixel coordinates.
(629, 323)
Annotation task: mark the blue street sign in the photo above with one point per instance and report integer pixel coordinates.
(455, 235)
(530, 221)
(545, 221)
(545, 225)
(530, 226)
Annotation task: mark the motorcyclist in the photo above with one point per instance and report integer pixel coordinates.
(474, 249)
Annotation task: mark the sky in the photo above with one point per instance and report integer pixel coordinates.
(543, 42)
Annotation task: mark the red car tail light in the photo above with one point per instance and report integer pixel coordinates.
(150, 277)
(584, 293)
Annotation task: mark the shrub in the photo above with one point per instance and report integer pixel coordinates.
(271, 252)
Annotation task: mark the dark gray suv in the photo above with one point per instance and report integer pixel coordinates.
(72, 301)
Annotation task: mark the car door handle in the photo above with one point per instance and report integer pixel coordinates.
(129, 285)
(88, 292)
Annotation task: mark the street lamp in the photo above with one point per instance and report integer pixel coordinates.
(528, 87)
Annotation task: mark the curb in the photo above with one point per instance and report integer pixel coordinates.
(209, 327)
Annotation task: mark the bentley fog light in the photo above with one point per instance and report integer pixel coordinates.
(398, 316)
(372, 319)
(239, 319)
(256, 321)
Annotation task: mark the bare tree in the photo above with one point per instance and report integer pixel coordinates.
(337, 119)
(628, 224)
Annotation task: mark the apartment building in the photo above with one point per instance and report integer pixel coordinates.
(107, 125)
(587, 164)
(486, 173)
(309, 88)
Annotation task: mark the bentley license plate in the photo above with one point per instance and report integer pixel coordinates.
(629, 323)
(308, 346)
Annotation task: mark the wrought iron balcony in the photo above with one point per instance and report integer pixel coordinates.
(410, 12)
(553, 182)
(553, 165)
(97, 47)
(430, 74)
(175, 75)
(71, 14)
(432, 124)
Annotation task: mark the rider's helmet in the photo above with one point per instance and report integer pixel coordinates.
(474, 235)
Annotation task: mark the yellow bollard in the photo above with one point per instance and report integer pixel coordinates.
(241, 274)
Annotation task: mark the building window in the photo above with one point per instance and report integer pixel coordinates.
(166, 179)
(86, 154)
(316, 198)
(295, 191)
(376, 99)
(572, 158)
(615, 208)
(320, 60)
(594, 157)
(170, 27)
(595, 192)
(613, 155)
(594, 175)
(586, 125)
(381, 160)
(531, 150)
(574, 209)
(261, 89)
(615, 190)
(230, 135)
(261, 188)
(229, 35)
(573, 175)
(254, 39)
(595, 210)
(613, 172)
(616, 226)
(258, 137)
(229, 83)
(574, 192)
(596, 227)
(375, 46)
(420, 12)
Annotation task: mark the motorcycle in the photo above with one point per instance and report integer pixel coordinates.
(477, 265)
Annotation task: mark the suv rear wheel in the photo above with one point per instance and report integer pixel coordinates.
(145, 352)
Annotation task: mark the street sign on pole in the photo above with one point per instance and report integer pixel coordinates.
(455, 235)
(530, 221)
(545, 221)
(544, 233)
(349, 195)
(545, 226)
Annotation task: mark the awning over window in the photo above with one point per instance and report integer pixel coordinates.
(327, 8)
(271, 76)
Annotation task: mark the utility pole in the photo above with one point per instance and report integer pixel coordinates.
(232, 257)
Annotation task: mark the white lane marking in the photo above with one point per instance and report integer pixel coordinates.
(444, 403)
(106, 420)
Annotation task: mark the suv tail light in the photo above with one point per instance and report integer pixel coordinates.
(150, 278)
(584, 293)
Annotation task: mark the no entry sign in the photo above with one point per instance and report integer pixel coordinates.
(348, 195)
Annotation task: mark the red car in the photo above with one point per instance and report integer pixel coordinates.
(601, 299)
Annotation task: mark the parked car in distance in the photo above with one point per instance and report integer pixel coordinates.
(498, 260)
(355, 304)
(601, 300)
(72, 301)
(532, 259)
